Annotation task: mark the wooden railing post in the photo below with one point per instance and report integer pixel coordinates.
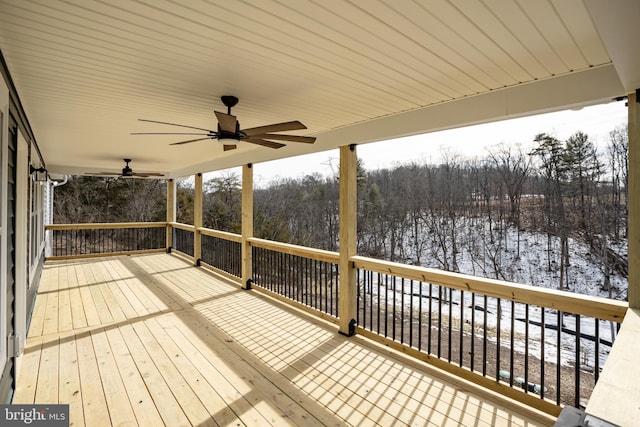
(171, 211)
(348, 224)
(247, 225)
(634, 200)
(197, 219)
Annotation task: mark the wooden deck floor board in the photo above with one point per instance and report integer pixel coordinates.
(47, 387)
(90, 309)
(69, 379)
(215, 405)
(115, 390)
(167, 405)
(78, 315)
(144, 408)
(231, 387)
(29, 376)
(186, 397)
(259, 386)
(94, 403)
(102, 308)
(151, 340)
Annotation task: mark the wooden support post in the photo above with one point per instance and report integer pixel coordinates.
(634, 200)
(247, 225)
(348, 225)
(171, 211)
(197, 219)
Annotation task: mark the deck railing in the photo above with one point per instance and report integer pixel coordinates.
(183, 238)
(87, 240)
(540, 346)
(222, 251)
(307, 276)
(549, 344)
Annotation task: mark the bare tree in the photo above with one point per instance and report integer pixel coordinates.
(514, 167)
(618, 150)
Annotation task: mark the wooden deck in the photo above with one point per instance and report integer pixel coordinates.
(150, 340)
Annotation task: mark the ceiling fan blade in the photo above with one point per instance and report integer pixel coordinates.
(277, 127)
(174, 124)
(146, 175)
(264, 142)
(227, 122)
(291, 138)
(190, 140)
(227, 147)
(103, 173)
(168, 133)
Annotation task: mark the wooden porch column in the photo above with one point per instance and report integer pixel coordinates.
(171, 211)
(247, 225)
(634, 200)
(197, 219)
(348, 226)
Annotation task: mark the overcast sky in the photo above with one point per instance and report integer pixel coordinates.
(468, 142)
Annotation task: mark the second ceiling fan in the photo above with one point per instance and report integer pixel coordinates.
(229, 132)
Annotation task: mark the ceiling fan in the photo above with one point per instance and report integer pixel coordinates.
(229, 132)
(127, 172)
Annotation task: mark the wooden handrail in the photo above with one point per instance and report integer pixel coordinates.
(317, 254)
(220, 234)
(182, 226)
(105, 225)
(600, 308)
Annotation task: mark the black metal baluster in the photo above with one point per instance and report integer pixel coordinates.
(402, 311)
(473, 331)
(386, 304)
(461, 352)
(449, 332)
(513, 333)
(558, 357)
(577, 367)
(484, 341)
(308, 296)
(596, 368)
(378, 300)
(430, 318)
(439, 321)
(370, 296)
(359, 302)
(542, 355)
(393, 293)
(498, 343)
(526, 348)
(420, 318)
(411, 313)
(335, 288)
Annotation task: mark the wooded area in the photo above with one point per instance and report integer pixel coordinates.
(423, 214)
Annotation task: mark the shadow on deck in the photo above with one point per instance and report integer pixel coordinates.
(151, 340)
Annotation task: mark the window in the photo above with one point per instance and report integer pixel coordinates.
(36, 224)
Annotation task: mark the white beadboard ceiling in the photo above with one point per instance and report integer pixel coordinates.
(353, 71)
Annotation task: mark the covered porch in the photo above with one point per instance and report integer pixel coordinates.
(146, 338)
(151, 340)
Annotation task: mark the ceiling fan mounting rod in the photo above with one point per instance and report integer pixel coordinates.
(229, 101)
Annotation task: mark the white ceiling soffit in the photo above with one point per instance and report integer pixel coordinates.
(618, 24)
(352, 71)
